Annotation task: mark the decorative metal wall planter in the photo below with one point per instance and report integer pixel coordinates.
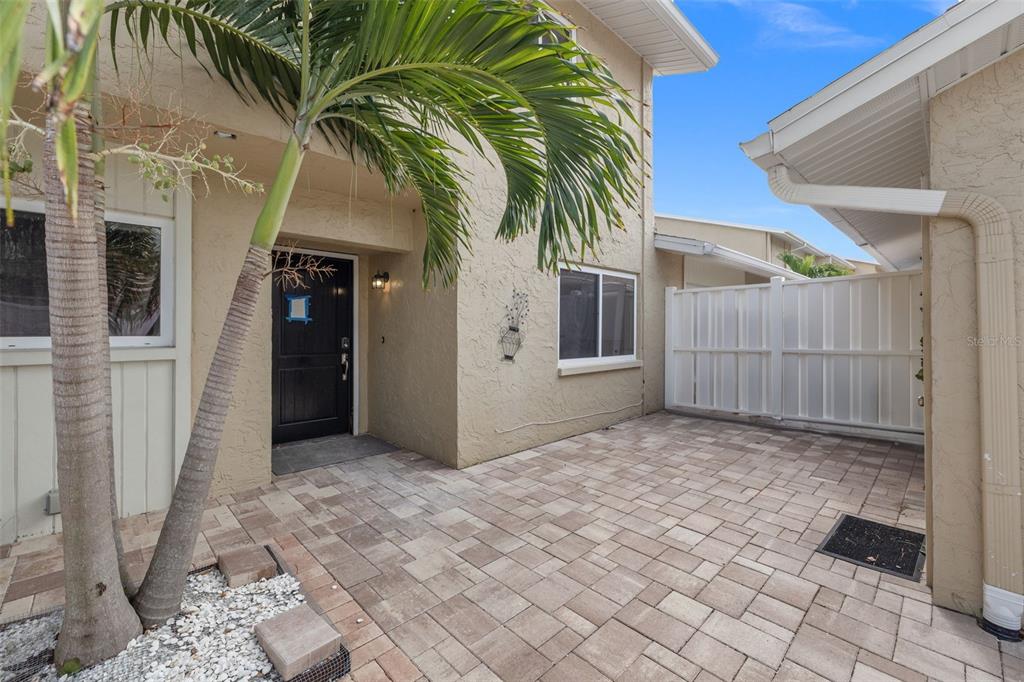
(511, 338)
(511, 341)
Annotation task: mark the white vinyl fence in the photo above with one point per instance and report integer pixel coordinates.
(837, 354)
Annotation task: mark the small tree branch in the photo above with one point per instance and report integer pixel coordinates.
(291, 268)
(168, 171)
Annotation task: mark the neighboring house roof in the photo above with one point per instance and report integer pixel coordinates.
(785, 234)
(870, 127)
(658, 31)
(721, 254)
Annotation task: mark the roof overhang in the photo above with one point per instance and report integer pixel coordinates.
(658, 31)
(870, 127)
(804, 245)
(722, 255)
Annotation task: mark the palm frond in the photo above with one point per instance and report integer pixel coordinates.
(552, 113)
(488, 72)
(252, 44)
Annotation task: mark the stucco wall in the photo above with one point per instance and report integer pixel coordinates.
(436, 384)
(861, 267)
(412, 357)
(702, 272)
(976, 145)
(222, 222)
(505, 407)
(751, 242)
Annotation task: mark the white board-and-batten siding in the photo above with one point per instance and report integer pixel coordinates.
(150, 394)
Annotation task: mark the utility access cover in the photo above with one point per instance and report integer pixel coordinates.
(876, 545)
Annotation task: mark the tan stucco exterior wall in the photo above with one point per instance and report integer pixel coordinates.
(862, 267)
(751, 242)
(221, 224)
(412, 369)
(976, 145)
(504, 407)
(430, 370)
(701, 272)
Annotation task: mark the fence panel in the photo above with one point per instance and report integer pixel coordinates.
(840, 351)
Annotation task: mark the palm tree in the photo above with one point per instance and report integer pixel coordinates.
(398, 85)
(98, 619)
(805, 265)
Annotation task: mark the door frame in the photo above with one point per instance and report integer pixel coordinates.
(356, 374)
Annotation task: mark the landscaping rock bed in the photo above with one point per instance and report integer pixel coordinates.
(212, 639)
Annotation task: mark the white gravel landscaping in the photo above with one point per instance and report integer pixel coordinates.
(211, 640)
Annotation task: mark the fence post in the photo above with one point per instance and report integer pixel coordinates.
(775, 345)
(670, 344)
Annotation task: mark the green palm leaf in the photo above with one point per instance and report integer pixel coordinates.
(12, 17)
(380, 73)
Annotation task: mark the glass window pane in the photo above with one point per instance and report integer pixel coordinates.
(617, 316)
(133, 279)
(24, 298)
(577, 315)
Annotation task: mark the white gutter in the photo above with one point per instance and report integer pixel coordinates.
(791, 236)
(1003, 546)
(724, 255)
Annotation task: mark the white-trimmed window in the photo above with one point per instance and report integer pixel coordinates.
(559, 35)
(140, 280)
(596, 316)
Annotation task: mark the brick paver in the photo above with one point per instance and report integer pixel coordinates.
(664, 548)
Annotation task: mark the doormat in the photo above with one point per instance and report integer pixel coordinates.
(875, 545)
(288, 458)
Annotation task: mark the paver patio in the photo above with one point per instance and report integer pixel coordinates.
(664, 548)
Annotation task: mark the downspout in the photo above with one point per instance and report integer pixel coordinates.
(1003, 546)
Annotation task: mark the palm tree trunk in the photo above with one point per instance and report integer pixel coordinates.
(159, 597)
(98, 619)
(100, 207)
(99, 211)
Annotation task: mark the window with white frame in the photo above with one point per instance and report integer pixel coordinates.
(555, 36)
(140, 277)
(596, 316)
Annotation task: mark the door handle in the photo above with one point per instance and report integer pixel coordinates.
(344, 366)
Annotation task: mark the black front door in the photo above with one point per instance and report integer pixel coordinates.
(313, 355)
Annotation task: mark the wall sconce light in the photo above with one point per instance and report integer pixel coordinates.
(379, 280)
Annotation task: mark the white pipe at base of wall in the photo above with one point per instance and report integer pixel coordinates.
(1001, 489)
(1003, 608)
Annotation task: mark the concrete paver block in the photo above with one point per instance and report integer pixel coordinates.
(245, 565)
(296, 640)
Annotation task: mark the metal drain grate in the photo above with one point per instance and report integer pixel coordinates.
(27, 669)
(334, 668)
(875, 545)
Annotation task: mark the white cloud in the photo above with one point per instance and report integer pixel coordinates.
(800, 26)
(792, 25)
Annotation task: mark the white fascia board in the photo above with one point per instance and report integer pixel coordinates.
(793, 237)
(721, 254)
(674, 27)
(954, 30)
(674, 20)
(804, 244)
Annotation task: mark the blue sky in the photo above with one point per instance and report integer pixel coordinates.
(772, 54)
